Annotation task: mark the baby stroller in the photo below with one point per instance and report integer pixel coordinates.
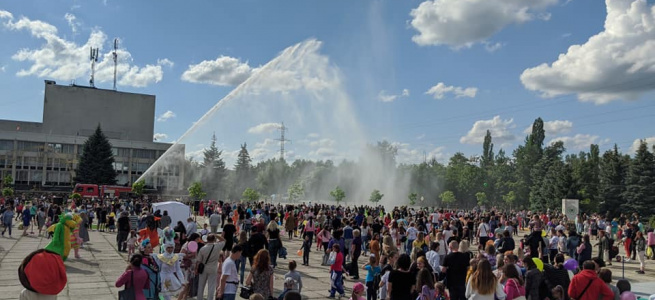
(614, 251)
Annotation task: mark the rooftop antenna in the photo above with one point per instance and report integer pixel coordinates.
(93, 56)
(282, 140)
(115, 54)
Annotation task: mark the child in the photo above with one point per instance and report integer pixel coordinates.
(306, 247)
(131, 243)
(441, 291)
(358, 292)
(293, 274)
(289, 285)
(111, 221)
(373, 270)
(204, 230)
(558, 293)
(425, 283)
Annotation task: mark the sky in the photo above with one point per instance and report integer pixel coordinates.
(429, 76)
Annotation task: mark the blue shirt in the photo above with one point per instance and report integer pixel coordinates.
(372, 271)
(348, 233)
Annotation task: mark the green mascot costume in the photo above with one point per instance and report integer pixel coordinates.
(61, 243)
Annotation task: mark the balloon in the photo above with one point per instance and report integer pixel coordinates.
(570, 264)
(485, 184)
(539, 263)
(193, 246)
(543, 233)
(627, 295)
(299, 252)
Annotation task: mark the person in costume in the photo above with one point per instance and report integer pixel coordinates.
(75, 239)
(150, 232)
(168, 237)
(151, 267)
(170, 273)
(61, 243)
(43, 275)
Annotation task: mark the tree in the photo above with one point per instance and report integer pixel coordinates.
(487, 159)
(214, 170)
(640, 183)
(76, 196)
(526, 157)
(481, 197)
(243, 172)
(7, 192)
(138, 187)
(613, 171)
(375, 196)
(296, 191)
(447, 197)
(7, 181)
(412, 198)
(97, 162)
(510, 198)
(196, 192)
(250, 195)
(338, 194)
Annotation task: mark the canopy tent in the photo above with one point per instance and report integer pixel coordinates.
(176, 210)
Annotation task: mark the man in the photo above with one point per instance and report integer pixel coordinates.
(604, 247)
(256, 242)
(227, 289)
(123, 232)
(455, 265)
(587, 286)
(433, 258)
(191, 227)
(209, 255)
(412, 233)
(348, 236)
(483, 233)
(506, 243)
(214, 221)
(165, 220)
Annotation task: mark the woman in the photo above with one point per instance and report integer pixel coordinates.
(355, 252)
(401, 283)
(513, 284)
(483, 284)
(241, 263)
(584, 250)
(40, 219)
(84, 227)
(180, 230)
(261, 275)
(172, 277)
(533, 278)
(188, 261)
(274, 242)
(374, 246)
(325, 236)
(388, 245)
(425, 281)
(290, 224)
(150, 266)
(309, 229)
(640, 247)
(135, 276)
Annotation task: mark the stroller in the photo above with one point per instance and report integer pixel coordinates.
(614, 251)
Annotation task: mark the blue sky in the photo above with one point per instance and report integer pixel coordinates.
(430, 76)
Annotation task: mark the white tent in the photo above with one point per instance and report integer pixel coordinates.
(176, 210)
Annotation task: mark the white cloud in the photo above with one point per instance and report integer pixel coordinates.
(160, 136)
(165, 116)
(617, 63)
(499, 128)
(259, 153)
(266, 143)
(223, 71)
(492, 47)
(438, 154)
(440, 90)
(566, 35)
(420, 137)
(3, 69)
(165, 62)
(577, 142)
(313, 135)
(462, 23)
(62, 59)
(635, 145)
(323, 153)
(384, 97)
(72, 22)
(264, 128)
(323, 143)
(554, 128)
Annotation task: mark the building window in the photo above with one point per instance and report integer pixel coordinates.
(36, 176)
(6, 145)
(31, 161)
(68, 148)
(121, 152)
(21, 176)
(144, 153)
(52, 177)
(30, 146)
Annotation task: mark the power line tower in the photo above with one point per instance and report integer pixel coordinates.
(93, 56)
(115, 55)
(282, 139)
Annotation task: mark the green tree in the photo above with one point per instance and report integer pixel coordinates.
(250, 195)
(97, 162)
(243, 172)
(7, 192)
(214, 170)
(482, 198)
(296, 191)
(447, 197)
(640, 183)
(613, 171)
(338, 194)
(375, 196)
(510, 198)
(412, 198)
(7, 181)
(487, 159)
(138, 187)
(526, 157)
(196, 192)
(76, 196)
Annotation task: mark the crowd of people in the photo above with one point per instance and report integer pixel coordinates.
(402, 253)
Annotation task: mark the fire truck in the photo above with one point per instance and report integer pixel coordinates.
(101, 191)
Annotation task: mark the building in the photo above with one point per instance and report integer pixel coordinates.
(44, 156)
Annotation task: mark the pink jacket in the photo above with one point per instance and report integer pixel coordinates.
(651, 238)
(513, 289)
(141, 281)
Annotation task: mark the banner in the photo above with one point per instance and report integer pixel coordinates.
(570, 207)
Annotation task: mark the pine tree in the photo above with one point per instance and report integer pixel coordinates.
(243, 172)
(611, 182)
(487, 152)
(97, 162)
(640, 183)
(527, 157)
(214, 170)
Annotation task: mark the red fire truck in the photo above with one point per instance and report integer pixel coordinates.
(100, 191)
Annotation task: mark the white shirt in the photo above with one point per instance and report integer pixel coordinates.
(411, 233)
(230, 269)
(483, 230)
(433, 260)
(191, 228)
(473, 295)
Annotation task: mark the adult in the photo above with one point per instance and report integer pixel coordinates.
(84, 227)
(27, 219)
(506, 243)
(604, 247)
(7, 219)
(229, 282)
(606, 275)
(256, 242)
(310, 228)
(290, 224)
(533, 278)
(274, 241)
(209, 255)
(261, 275)
(483, 284)
(228, 235)
(149, 264)
(455, 265)
(123, 232)
(640, 247)
(587, 286)
(165, 220)
(134, 277)
(483, 232)
(172, 278)
(557, 274)
(214, 221)
(584, 250)
(191, 226)
(513, 282)
(401, 283)
(355, 252)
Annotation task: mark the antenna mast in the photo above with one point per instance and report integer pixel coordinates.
(115, 54)
(282, 140)
(93, 56)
